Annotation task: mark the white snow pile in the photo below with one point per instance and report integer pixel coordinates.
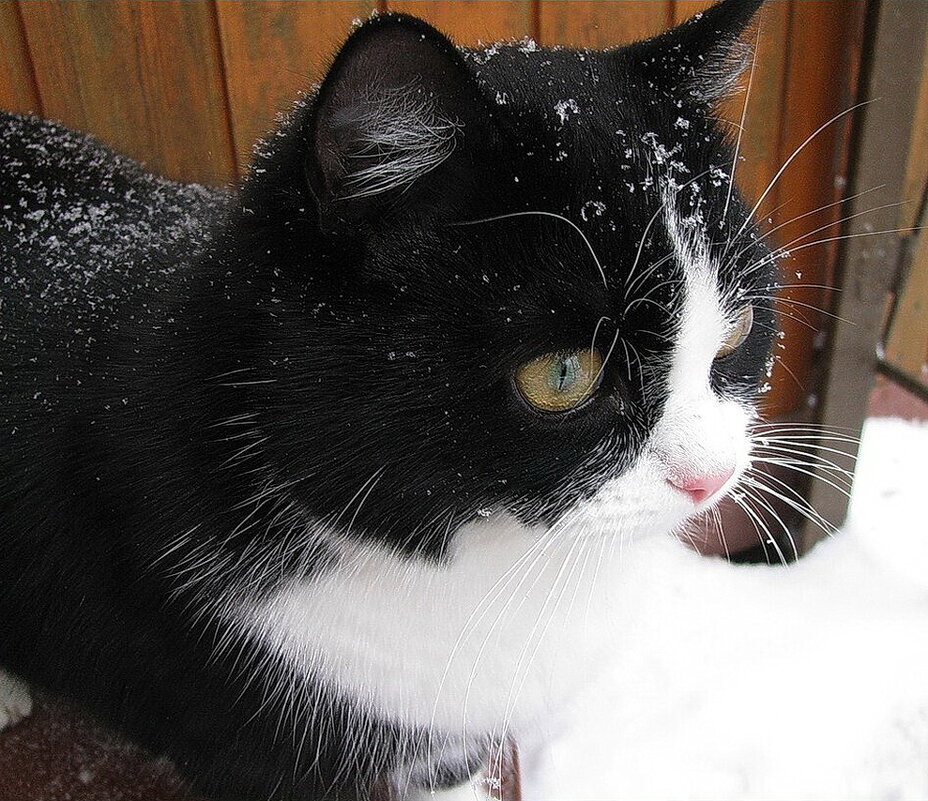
(750, 682)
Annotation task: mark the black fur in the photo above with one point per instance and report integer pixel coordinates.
(183, 368)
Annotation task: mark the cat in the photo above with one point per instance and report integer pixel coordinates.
(321, 485)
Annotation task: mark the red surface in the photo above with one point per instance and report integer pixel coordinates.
(890, 400)
(58, 755)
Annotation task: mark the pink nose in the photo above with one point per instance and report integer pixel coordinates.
(701, 488)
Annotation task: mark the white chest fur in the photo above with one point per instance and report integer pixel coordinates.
(488, 641)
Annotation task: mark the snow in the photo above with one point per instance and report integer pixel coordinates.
(753, 682)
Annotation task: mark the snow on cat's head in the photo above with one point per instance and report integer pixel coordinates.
(524, 284)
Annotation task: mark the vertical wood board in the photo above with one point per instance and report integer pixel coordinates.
(907, 343)
(468, 22)
(146, 77)
(593, 23)
(869, 257)
(916, 178)
(275, 50)
(817, 91)
(17, 84)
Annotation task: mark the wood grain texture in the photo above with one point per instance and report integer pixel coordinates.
(871, 251)
(273, 51)
(819, 85)
(471, 21)
(17, 83)
(907, 342)
(916, 178)
(145, 76)
(585, 23)
(684, 9)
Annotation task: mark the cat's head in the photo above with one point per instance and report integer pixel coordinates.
(508, 279)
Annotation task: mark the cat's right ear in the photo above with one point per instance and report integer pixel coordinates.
(397, 126)
(700, 60)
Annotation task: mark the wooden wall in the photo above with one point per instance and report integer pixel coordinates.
(188, 85)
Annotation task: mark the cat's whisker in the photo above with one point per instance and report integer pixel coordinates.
(631, 281)
(717, 518)
(525, 658)
(790, 461)
(815, 472)
(791, 246)
(811, 307)
(647, 296)
(794, 500)
(826, 240)
(761, 530)
(553, 215)
(535, 561)
(532, 557)
(814, 430)
(646, 274)
(744, 113)
(785, 166)
(745, 501)
(599, 323)
(756, 489)
(827, 226)
(602, 367)
(806, 452)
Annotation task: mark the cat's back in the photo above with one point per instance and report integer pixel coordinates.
(87, 237)
(93, 251)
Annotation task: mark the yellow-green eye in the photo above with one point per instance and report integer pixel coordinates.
(736, 335)
(557, 382)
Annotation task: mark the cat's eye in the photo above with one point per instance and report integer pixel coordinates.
(557, 382)
(738, 333)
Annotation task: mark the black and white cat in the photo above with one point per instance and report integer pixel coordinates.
(323, 484)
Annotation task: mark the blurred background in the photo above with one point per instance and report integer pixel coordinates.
(188, 86)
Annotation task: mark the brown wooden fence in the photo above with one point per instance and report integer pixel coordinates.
(188, 85)
(906, 341)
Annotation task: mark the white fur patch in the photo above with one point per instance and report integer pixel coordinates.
(15, 700)
(699, 433)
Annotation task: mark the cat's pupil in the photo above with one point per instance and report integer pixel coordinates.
(566, 372)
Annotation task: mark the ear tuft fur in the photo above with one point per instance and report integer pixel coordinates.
(397, 107)
(399, 136)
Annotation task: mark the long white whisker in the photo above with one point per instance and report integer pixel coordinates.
(553, 215)
(786, 164)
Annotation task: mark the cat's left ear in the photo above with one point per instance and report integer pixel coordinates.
(700, 60)
(398, 125)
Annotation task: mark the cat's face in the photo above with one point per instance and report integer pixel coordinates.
(535, 289)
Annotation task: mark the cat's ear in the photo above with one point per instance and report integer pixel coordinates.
(396, 125)
(700, 60)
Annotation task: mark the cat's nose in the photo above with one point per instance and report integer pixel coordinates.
(702, 487)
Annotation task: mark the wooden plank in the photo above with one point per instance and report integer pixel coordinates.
(821, 37)
(869, 258)
(684, 9)
(144, 76)
(469, 22)
(582, 23)
(273, 50)
(17, 84)
(760, 142)
(916, 177)
(907, 343)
